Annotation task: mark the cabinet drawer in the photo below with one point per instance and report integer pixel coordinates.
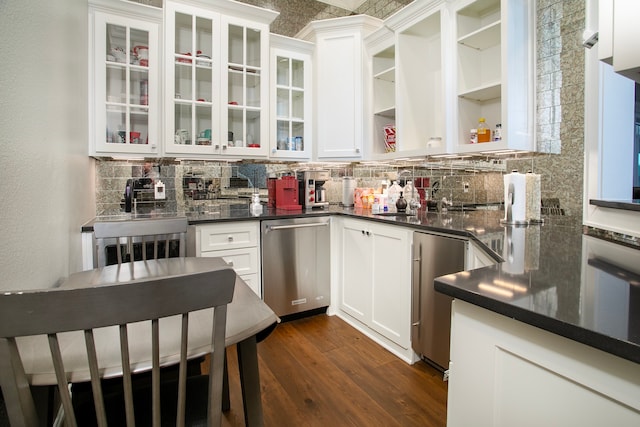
(244, 261)
(228, 236)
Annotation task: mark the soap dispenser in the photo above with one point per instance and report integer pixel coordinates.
(401, 204)
(256, 206)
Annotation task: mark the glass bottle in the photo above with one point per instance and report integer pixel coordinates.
(394, 194)
(484, 134)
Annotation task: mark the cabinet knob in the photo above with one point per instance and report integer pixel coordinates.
(230, 238)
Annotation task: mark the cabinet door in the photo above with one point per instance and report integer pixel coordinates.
(192, 110)
(125, 80)
(290, 103)
(495, 73)
(391, 284)
(339, 96)
(357, 274)
(245, 87)
(422, 73)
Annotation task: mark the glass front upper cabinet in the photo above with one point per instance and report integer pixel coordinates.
(193, 94)
(126, 83)
(216, 82)
(247, 89)
(291, 98)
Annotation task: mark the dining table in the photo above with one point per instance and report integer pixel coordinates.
(249, 320)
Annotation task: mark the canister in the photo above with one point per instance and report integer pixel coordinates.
(348, 187)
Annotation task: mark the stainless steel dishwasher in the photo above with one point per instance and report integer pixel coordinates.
(433, 255)
(295, 264)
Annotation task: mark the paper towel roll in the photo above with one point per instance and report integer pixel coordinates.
(533, 197)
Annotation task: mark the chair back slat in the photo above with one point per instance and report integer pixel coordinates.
(182, 374)
(155, 372)
(55, 310)
(126, 376)
(96, 388)
(61, 378)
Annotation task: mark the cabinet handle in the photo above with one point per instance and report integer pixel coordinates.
(368, 233)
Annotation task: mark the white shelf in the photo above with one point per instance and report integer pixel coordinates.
(483, 93)
(387, 112)
(388, 75)
(482, 38)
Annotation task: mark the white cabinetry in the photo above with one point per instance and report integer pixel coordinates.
(505, 373)
(477, 257)
(217, 82)
(291, 98)
(340, 95)
(236, 242)
(618, 32)
(375, 282)
(495, 73)
(422, 78)
(125, 79)
(382, 50)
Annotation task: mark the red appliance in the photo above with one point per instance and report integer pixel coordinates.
(271, 189)
(287, 194)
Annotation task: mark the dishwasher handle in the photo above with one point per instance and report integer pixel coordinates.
(286, 227)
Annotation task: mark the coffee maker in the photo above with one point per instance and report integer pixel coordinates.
(312, 191)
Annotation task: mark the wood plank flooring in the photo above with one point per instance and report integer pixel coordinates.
(319, 371)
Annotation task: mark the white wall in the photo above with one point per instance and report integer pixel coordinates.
(46, 176)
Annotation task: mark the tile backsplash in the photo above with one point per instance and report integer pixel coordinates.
(198, 185)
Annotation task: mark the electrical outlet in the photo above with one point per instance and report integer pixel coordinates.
(465, 187)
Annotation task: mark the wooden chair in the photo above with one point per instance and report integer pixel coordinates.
(53, 311)
(144, 239)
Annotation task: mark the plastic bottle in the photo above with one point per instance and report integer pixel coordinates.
(484, 134)
(410, 192)
(394, 195)
(497, 133)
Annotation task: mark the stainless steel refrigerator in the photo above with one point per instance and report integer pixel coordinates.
(433, 255)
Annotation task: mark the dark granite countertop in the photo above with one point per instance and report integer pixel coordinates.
(553, 276)
(627, 205)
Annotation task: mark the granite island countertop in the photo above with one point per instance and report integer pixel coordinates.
(551, 276)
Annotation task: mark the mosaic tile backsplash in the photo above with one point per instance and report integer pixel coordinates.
(198, 185)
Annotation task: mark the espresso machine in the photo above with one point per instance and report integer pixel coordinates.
(312, 192)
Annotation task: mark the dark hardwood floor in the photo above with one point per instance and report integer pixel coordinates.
(319, 371)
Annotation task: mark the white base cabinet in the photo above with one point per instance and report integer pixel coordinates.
(238, 243)
(506, 373)
(374, 285)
